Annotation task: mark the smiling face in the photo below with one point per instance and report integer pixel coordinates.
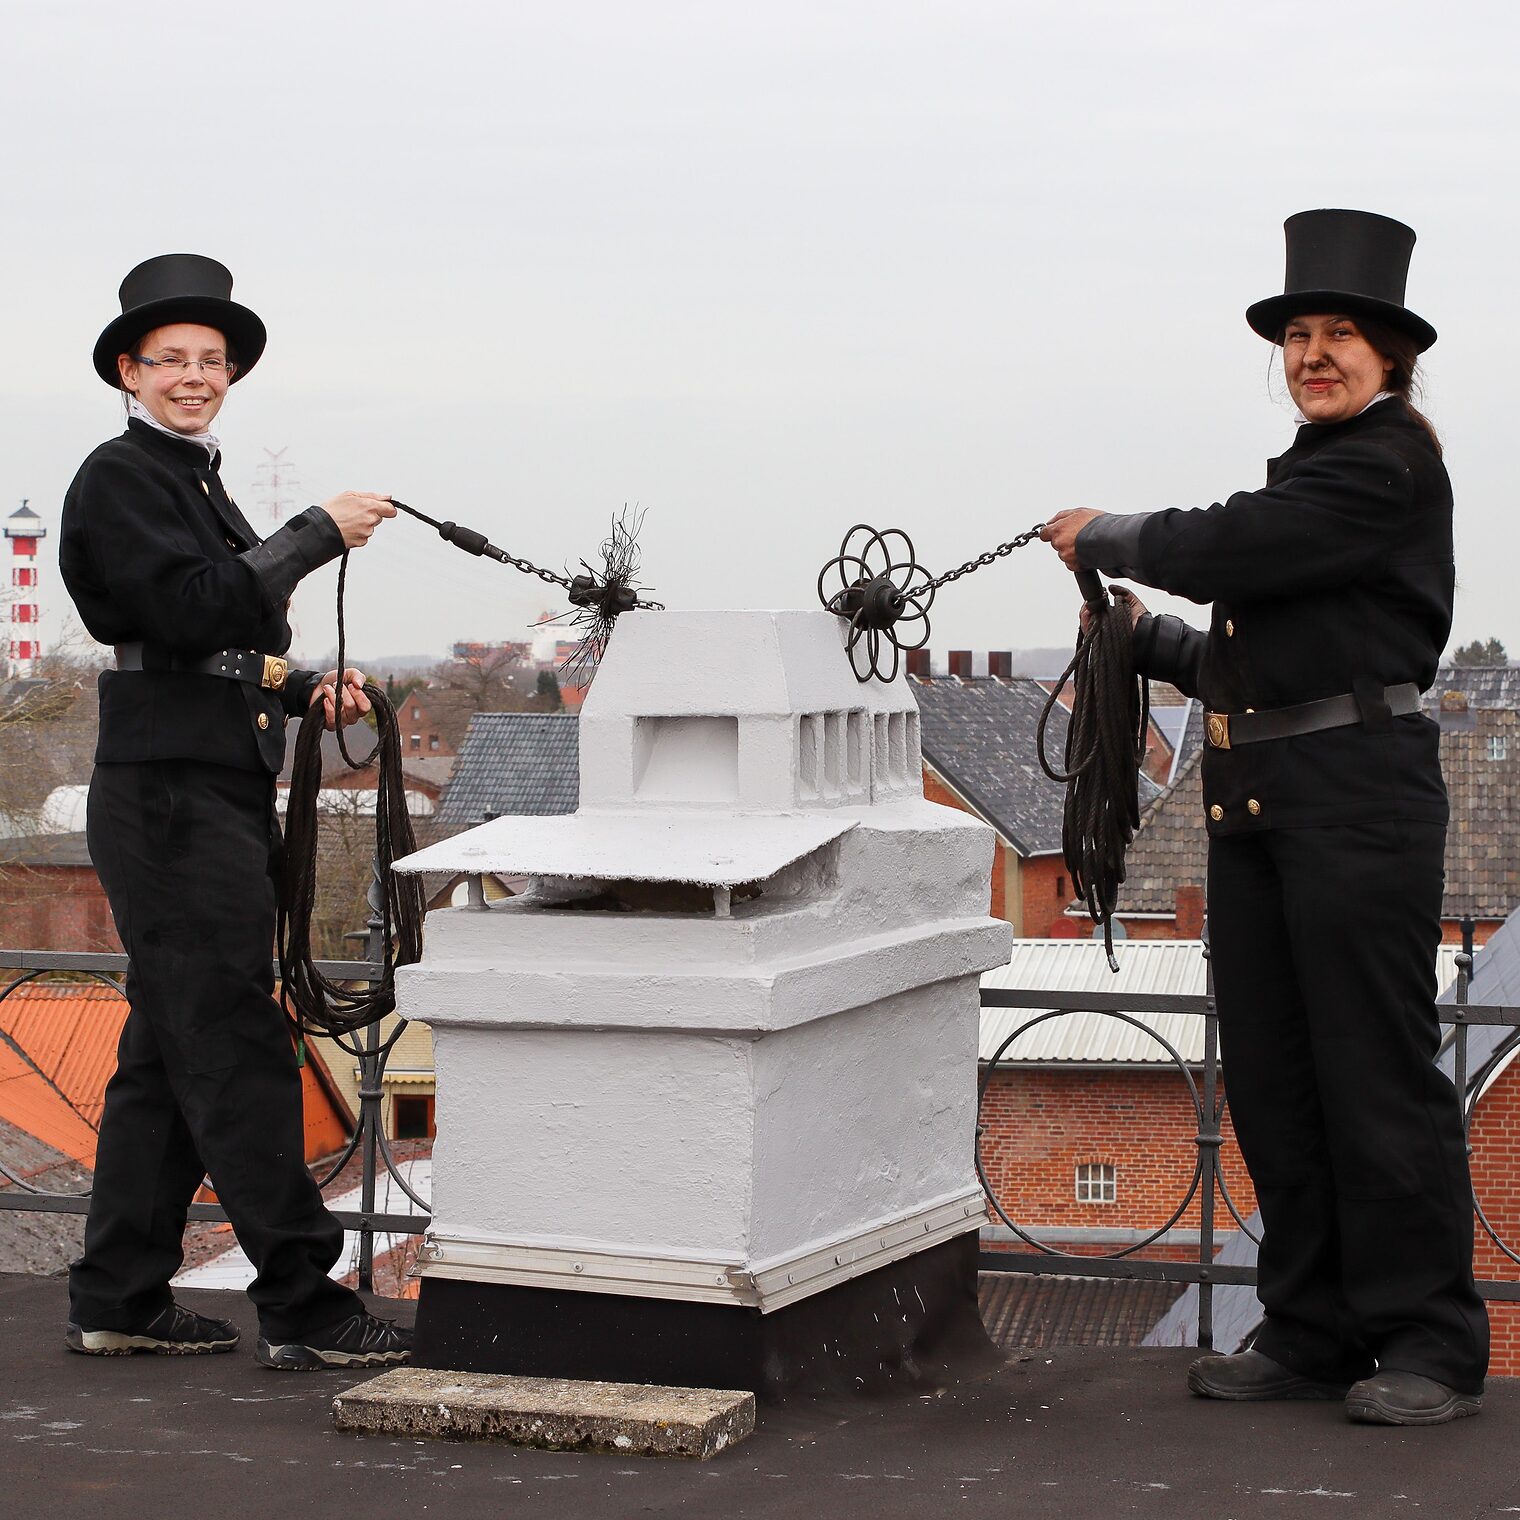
(186, 403)
(1333, 372)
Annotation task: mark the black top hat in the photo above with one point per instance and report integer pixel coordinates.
(1344, 261)
(179, 287)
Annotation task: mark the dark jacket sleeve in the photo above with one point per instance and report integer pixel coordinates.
(1336, 519)
(304, 544)
(1167, 649)
(295, 697)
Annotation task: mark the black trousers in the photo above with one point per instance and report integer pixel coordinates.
(206, 1080)
(1324, 951)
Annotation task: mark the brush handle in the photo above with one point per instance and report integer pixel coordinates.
(1092, 589)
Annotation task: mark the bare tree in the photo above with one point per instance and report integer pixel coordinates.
(480, 678)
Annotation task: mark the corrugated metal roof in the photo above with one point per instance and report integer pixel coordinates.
(70, 1031)
(1155, 967)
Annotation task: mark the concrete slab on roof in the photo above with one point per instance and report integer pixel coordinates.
(1068, 1431)
(556, 1414)
(720, 850)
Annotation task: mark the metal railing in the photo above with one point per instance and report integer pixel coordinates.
(371, 1053)
(1208, 1182)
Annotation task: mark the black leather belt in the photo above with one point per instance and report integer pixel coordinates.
(266, 670)
(1226, 730)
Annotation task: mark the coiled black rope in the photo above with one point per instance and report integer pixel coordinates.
(314, 1003)
(1105, 745)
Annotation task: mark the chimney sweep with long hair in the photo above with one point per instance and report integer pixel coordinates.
(1332, 600)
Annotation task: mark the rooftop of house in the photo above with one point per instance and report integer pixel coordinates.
(513, 763)
(1057, 1432)
(360, 740)
(1483, 685)
(45, 850)
(978, 734)
(1481, 762)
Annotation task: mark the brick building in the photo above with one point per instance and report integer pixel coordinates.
(51, 898)
(420, 733)
(1088, 1124)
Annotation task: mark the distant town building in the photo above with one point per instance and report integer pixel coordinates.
(24, 528)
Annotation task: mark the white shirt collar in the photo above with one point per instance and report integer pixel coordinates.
(207, 440)
(1300, 419)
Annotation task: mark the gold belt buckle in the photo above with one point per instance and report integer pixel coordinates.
(275, 671)
(1218, 728)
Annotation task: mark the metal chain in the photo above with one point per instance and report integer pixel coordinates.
(529, 568)
(982, 560)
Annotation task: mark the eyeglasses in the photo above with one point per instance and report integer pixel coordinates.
(217, 369)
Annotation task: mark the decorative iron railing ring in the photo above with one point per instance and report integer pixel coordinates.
(1180, 1063)
(382, 1052)
(1475, 1087)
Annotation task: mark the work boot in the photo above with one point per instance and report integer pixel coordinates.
(171, 1332)
(361, 1340)
(1407, 1398)
(1250, 1375)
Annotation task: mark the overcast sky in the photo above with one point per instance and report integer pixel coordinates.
(765, 271)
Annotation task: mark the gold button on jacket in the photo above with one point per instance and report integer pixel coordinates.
(263, 720)
(1253, 807)
(1216, 812)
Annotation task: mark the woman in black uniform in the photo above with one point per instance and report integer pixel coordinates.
(181, 828)
(1332, 597)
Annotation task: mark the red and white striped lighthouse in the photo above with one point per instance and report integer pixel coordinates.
(24, 528)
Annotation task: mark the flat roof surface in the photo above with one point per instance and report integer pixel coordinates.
(1063, 1433)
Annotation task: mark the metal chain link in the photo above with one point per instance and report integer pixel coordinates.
(982, 560)
(529, 568)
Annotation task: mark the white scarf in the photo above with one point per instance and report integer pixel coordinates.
(207, 440)
(1300, 419)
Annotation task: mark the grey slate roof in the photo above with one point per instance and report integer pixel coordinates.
(1482, 842)
(979, 734)
(1484, 685)
(513, 763)
(1171, 846)
(36, 1242)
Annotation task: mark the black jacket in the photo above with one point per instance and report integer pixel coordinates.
(153, 549)
(1336, 577)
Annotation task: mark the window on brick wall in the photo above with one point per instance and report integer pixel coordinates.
(1096, 1182)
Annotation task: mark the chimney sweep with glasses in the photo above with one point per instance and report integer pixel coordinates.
(1332, 600)
(161, 564)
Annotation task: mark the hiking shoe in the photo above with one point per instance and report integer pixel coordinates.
(1250, 1375)
(171, 1332)
(1408, 1398)
(361, 1340)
